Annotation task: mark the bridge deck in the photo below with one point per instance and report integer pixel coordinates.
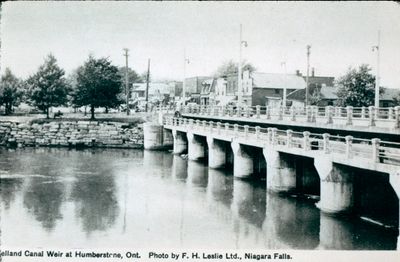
(372, 154)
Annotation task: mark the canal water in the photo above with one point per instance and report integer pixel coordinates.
(97, 198)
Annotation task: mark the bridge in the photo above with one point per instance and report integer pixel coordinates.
(330, 165)
(369, 121)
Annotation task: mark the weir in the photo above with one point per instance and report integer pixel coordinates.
(296, 162)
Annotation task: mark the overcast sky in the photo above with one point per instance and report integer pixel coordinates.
(341, 35)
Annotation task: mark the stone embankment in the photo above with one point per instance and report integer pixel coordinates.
(72, 134)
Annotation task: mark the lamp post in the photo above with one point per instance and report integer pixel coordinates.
(185, 61)
(240, 86)
(377, 49)
(308, 71)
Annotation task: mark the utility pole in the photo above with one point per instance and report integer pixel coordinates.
(147, 84)
(377, 80)
(126, 80)
(240, 98)
(240, 84)
(308, 71)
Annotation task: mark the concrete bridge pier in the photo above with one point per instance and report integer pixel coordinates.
(334, 234)
(216, 153)
(196, 148)
(337, 194)
(180, 144)
(242, 161)
(394, 180)
(281, 172)
(153, 136)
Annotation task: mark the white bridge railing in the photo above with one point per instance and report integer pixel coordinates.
(371, 149)
(385, 117)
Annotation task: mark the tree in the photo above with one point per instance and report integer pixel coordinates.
(98, 85)
(356, 87)
(48, 87)
(133, 76)
(230, 67)
(10, 91)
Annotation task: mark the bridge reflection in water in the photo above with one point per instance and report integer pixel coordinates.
(136, 199)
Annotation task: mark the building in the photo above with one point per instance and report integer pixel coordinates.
(207, 94)
(158, 92)
(267, 88)
(193, 87)
(318, 95)
(386, 99)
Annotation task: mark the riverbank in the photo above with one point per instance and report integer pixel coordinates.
(69, 133)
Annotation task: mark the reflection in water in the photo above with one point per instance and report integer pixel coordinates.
(220, 187)
(164, 200)
(350, 233)
(43, 198)
(8, 188)
(179, 168)
(248, 202)
(293, 223)
(197, 174)
(95, 198)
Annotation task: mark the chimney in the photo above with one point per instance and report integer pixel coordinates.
(312, 72)
(298, 73)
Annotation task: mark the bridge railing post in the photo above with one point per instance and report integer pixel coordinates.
(268, 112)
(247, 111)
(226, 127)
(325, 141)
(371, 111)
(180, 121)
(185, 121)
(289, 135)
(397, 117)
(246, 131)
(238, 111)
(258, 132)
(390, 113)
(219, 128)
(198, 123)
(292, 113)
(306, 141)
(258, 110)
(375, 149)
(338, 111)
(363, 112)
(280, 112)
(204, 122)
(314, 114)
(308, 113)
(269, 135)
(190, 123)
(211, 123)
(235, 129)
(349, 115)
(274, 137)
(328, 114)
(349, 147)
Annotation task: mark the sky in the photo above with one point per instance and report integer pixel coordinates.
(341, 34)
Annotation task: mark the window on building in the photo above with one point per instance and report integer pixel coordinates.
(277, 91)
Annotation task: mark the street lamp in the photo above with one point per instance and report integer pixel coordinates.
(308, 71)
(377, 49)
(240, 86)
(185, 61)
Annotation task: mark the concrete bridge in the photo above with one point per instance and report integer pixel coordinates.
(332, 164)
(358, 119)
